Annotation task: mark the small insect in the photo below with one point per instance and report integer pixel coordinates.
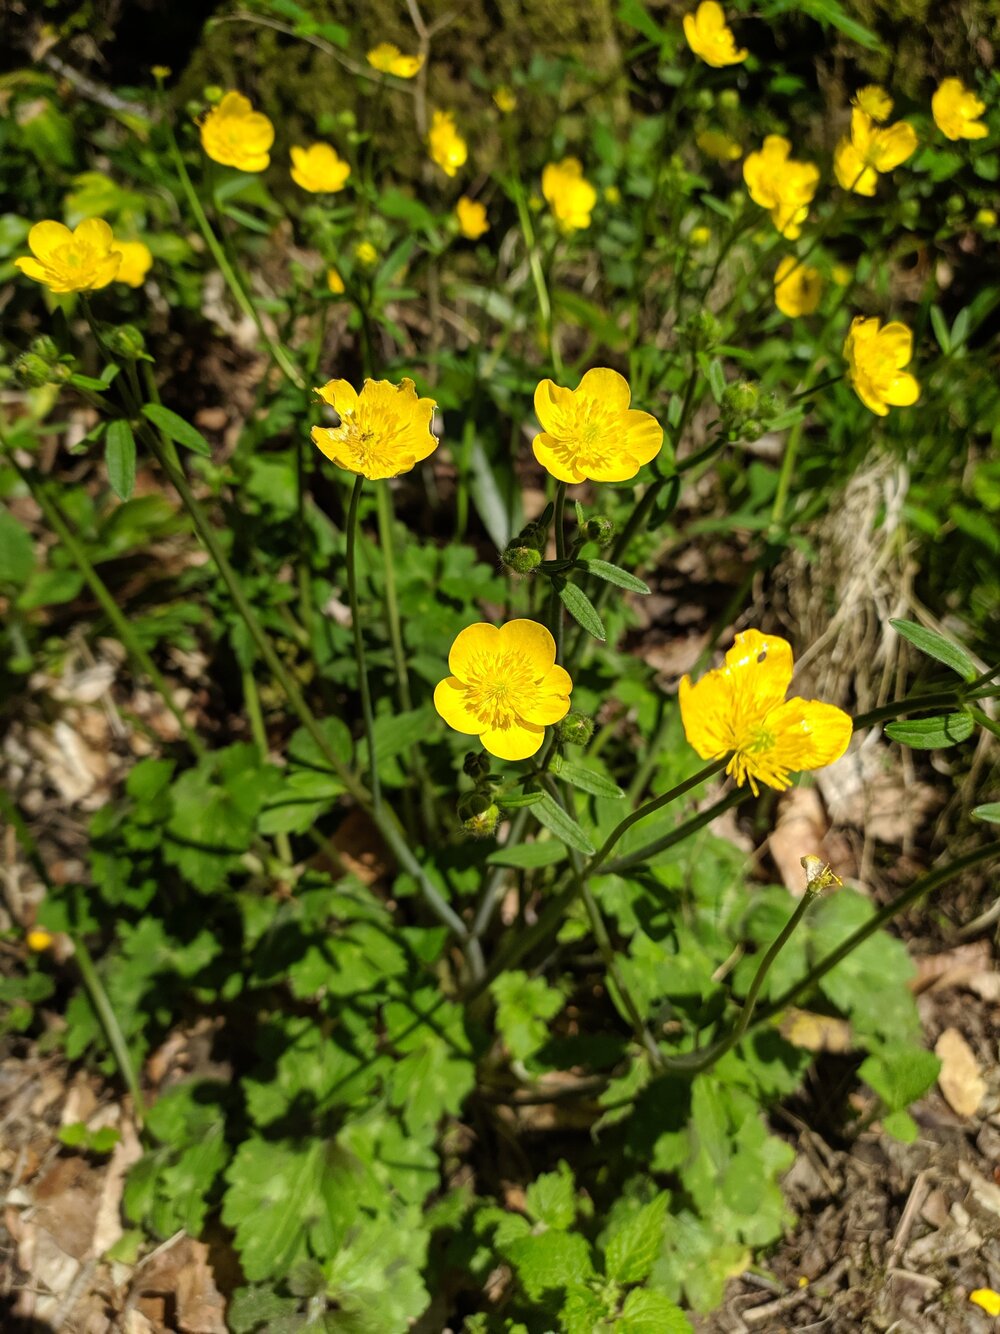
(819, 875)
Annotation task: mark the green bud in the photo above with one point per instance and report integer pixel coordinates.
(127, 342)
(909, 212)
(44, 346)
(212, 92)
(600, 529)
(348, 119)
(476, 764)
(575, 729)
(704, 99)
(521, 559)
(702, 331)
(729, 99)
(954, 203)
(479, 814)
(32, 371)
(471, 804)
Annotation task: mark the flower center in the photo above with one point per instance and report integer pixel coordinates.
(496, 685)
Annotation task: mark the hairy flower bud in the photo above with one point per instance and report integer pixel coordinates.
(479, 814)
(44, 346)
(521, 559)
(476, 764)
(127, 342)
(601, 530)
(745, 411)
(32, 371)
(702, 330)
(575, 729)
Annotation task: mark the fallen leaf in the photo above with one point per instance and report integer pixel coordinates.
(960, 1081)
(800, 830)
(816, 1032)
(954, 968)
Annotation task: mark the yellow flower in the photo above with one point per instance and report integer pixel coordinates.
(569, 194)
(876, 357)
(741, 707)
(780, 184)
(956, 111)
(38, 939)
(504, 99)
(986, 217)
(591, 432)
(447, 147)
(699, 236)
(797, 287)
(718, 145)
(842, 274)
(471, 216)
(875, 101)
(319, 169)
(612, 195)
(709, 37)
(136, 262)
(237, 136)
(81, 260)
(505, 687)
(383, 431)
(869, 151)
(334, 282)
(161, 72)
(388, 59)
(987, 1299)
(366, 254)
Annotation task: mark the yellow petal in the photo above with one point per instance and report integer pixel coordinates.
(329, 443)
(544, 709)
(762, 664)
(987, 1300)
(543, 448)
(808, 734)
(341, 396)
(643, 435)
(449, 700)
(472, 644)
(32, 269)
(897, 340)
(904, 391)
(235, 104)
(551, 400)
(94, 232)
(531, 640)
(607, 386)
(518, 741)
(45, 237)
(706, 713)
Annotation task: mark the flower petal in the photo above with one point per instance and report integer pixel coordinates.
(897, 340)
(341, 396)
(551, 401)
(808, 734)
(904, 390)
(761, 668)
(706, 713)
(606, 385)
(473, 643)
(32, 269)
(643, 435)
(530, 639)
(544, 709)
(544, 449)
(449, 700)
(45, 237)
(94, 232)
(518, 741)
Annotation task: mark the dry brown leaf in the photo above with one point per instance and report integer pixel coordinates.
(954, 968)
(960, 1081)
(816, 1032)
(800, 830)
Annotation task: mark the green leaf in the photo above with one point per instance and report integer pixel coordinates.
(551, 1197)
(936, 646)
(932, 733)
(565, 828)
(524, 1007)
(119, 457)
(588, 781)
(582, 610)
(990, 812)
(941, 331)
(900, 1073)
(646, 1311)
(550, 1260)
(614, 574)
(529, 856)
(632, 1248)
(176, 429)
(17, 551)
(833, 13)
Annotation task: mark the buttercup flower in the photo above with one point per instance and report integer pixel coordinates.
(869, 151)
(987, 1300)
(699, 236)
(334, 282)
(383, 431)
(446, 146)
(986, 217)
(569, 194)
(319, 169)
(366, 254)
(956, 111)
(612, 195)
(797, 287)
(876, 357)
(471, 217)
(388, 59)
(505, 687)
(81, 260)
(591, 432)
(842, 274)
(741, 707)
(780, 184)
(709, 37)
(39, 940)
(136, 262)
(875, 101)
(505, 99)
(237, 136)
(718, 145)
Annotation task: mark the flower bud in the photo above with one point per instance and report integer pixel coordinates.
(575, 729)
(954, 204)
(479, 814)
(471, 804)
(600, 529)
(729, 99)
(44, 346)
(32, 371)
(38, 939)
(521, 559)
(704, 99)
(745, 412)
(126, 342)
(702, 330)
(476, 764)
(212, 92)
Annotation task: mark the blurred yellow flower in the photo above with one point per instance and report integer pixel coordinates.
(505, 687)
(388, 59)
(875, 101)
(366, 254)
(842, 274)
(504, 99)
(136, 262)
(447, 147)
(709, 37)
(797, 287)
(699, 236)
(612, 195)
(81, 260)
(876, 357)
(471, 217)
(334, 282)
(780, 184)
(569, 194)
(161, 72)
(741, 707)
(319, 169)
(956, 111)
(869, 151)
(383, 431)
(986, 217)
(591, 432)
(237, 136)
(718, 145)
(987, 1300)
(38, 939)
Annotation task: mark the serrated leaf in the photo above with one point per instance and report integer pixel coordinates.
(582, 610)
(614, 574)
(937, 646)
(565, 828)
(550, 1260)
(589, 781)
(932, 733)
(119, 458)
(551, 1197)
(646, 1311)
(900, 1073)
(175, 428)
(528, 856)
(525, 1005)
(632, 1248)
(990, 812)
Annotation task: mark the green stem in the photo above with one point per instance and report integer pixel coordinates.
(690, 826)
(651, 807)
(787, 470)
(364, 686)
(910, 704)
(555, 603)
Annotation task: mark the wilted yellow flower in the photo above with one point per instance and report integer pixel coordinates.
(591, 432)
(383, 431)
(797, 287)
(987, 1300)
(334, 282)
(319, 169)
(871, 150)
(366, 254)
(699, 236)
(38, 939)
(718, 145)
(876, 357)
(388, 59)
(875, 101)
(569, 194)
(505, 687)
(504, 99)
(842, 274)
(986, 217)
(780, 184)
(81, 260)
(237, 136)
(447, 147)
(471, 217)
(956, 111)
(136, 262)
(709, 37)
(741, 707)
